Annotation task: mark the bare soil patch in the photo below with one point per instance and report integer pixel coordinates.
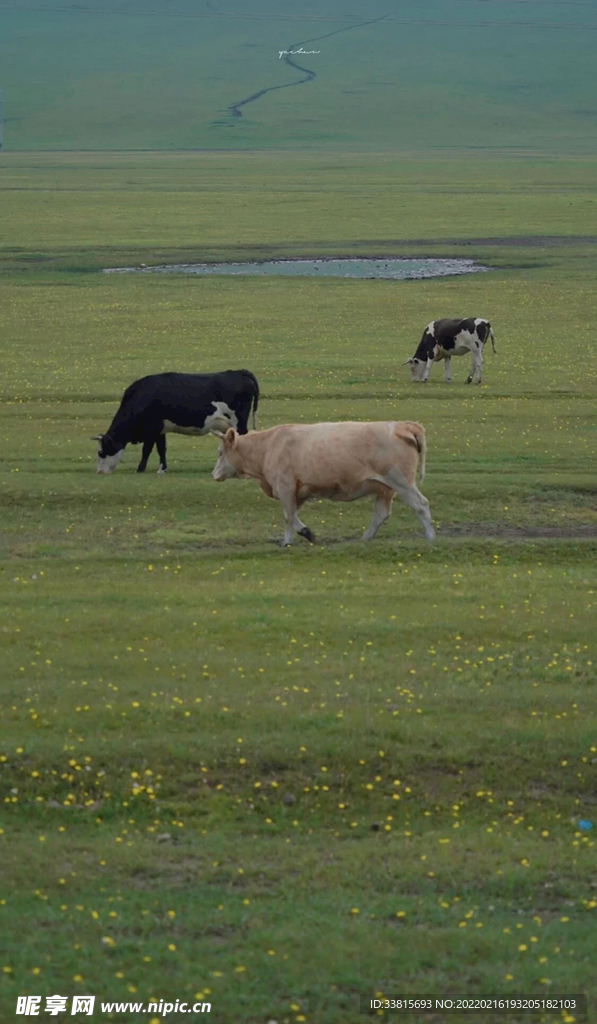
(521, 532)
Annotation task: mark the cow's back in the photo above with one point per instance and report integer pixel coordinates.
(174, 394)
(446, 330)
(321, 455)
(171, 385)
(190, 388)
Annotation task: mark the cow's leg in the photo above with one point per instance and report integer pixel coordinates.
(412, 497)
(147, 450)
(302, 530)
(476, 365)
(293, 523)
(447, 369)
(381, 512)
(161, 447)
(426, 372)
(242, 416)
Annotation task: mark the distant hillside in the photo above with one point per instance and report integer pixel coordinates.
(170, 74)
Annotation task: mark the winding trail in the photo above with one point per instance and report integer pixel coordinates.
(234, 108)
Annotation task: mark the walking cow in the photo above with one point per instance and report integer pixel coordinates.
(179, 403)
(341, 461)
(443, 339)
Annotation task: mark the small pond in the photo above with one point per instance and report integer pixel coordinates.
(396, 269)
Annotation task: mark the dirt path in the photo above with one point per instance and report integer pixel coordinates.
(234, 108)
(521, 532)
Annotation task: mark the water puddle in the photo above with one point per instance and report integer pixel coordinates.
(395, 269)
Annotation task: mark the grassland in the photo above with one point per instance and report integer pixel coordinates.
(283, 778)
(143, 75)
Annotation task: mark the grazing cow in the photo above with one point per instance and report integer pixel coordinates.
(443, 339)
(341, 461)
(179, 403)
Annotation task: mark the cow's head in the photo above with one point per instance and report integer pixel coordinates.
(109, 454)
(417, 368)
(223, 469)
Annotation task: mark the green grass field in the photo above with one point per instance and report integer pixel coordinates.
(150, 74)
(273, 780)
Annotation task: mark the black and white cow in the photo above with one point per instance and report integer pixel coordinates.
(443, 339)
(179, 403)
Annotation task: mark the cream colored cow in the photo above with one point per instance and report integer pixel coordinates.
(340, 461)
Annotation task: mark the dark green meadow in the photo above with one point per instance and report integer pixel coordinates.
(155, 75)
(275, 779)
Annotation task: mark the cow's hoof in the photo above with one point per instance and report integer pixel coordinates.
(307, 534)
(162, 469)
(140, 469)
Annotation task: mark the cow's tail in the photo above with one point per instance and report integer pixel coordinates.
(414, 434)
(255, 403)
(490, 334)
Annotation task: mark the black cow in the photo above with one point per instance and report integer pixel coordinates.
(179, 403)
(443, 339)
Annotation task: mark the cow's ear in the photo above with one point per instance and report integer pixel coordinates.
(230, 437)
(217, 433)
(408, 362)
(97, 437)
